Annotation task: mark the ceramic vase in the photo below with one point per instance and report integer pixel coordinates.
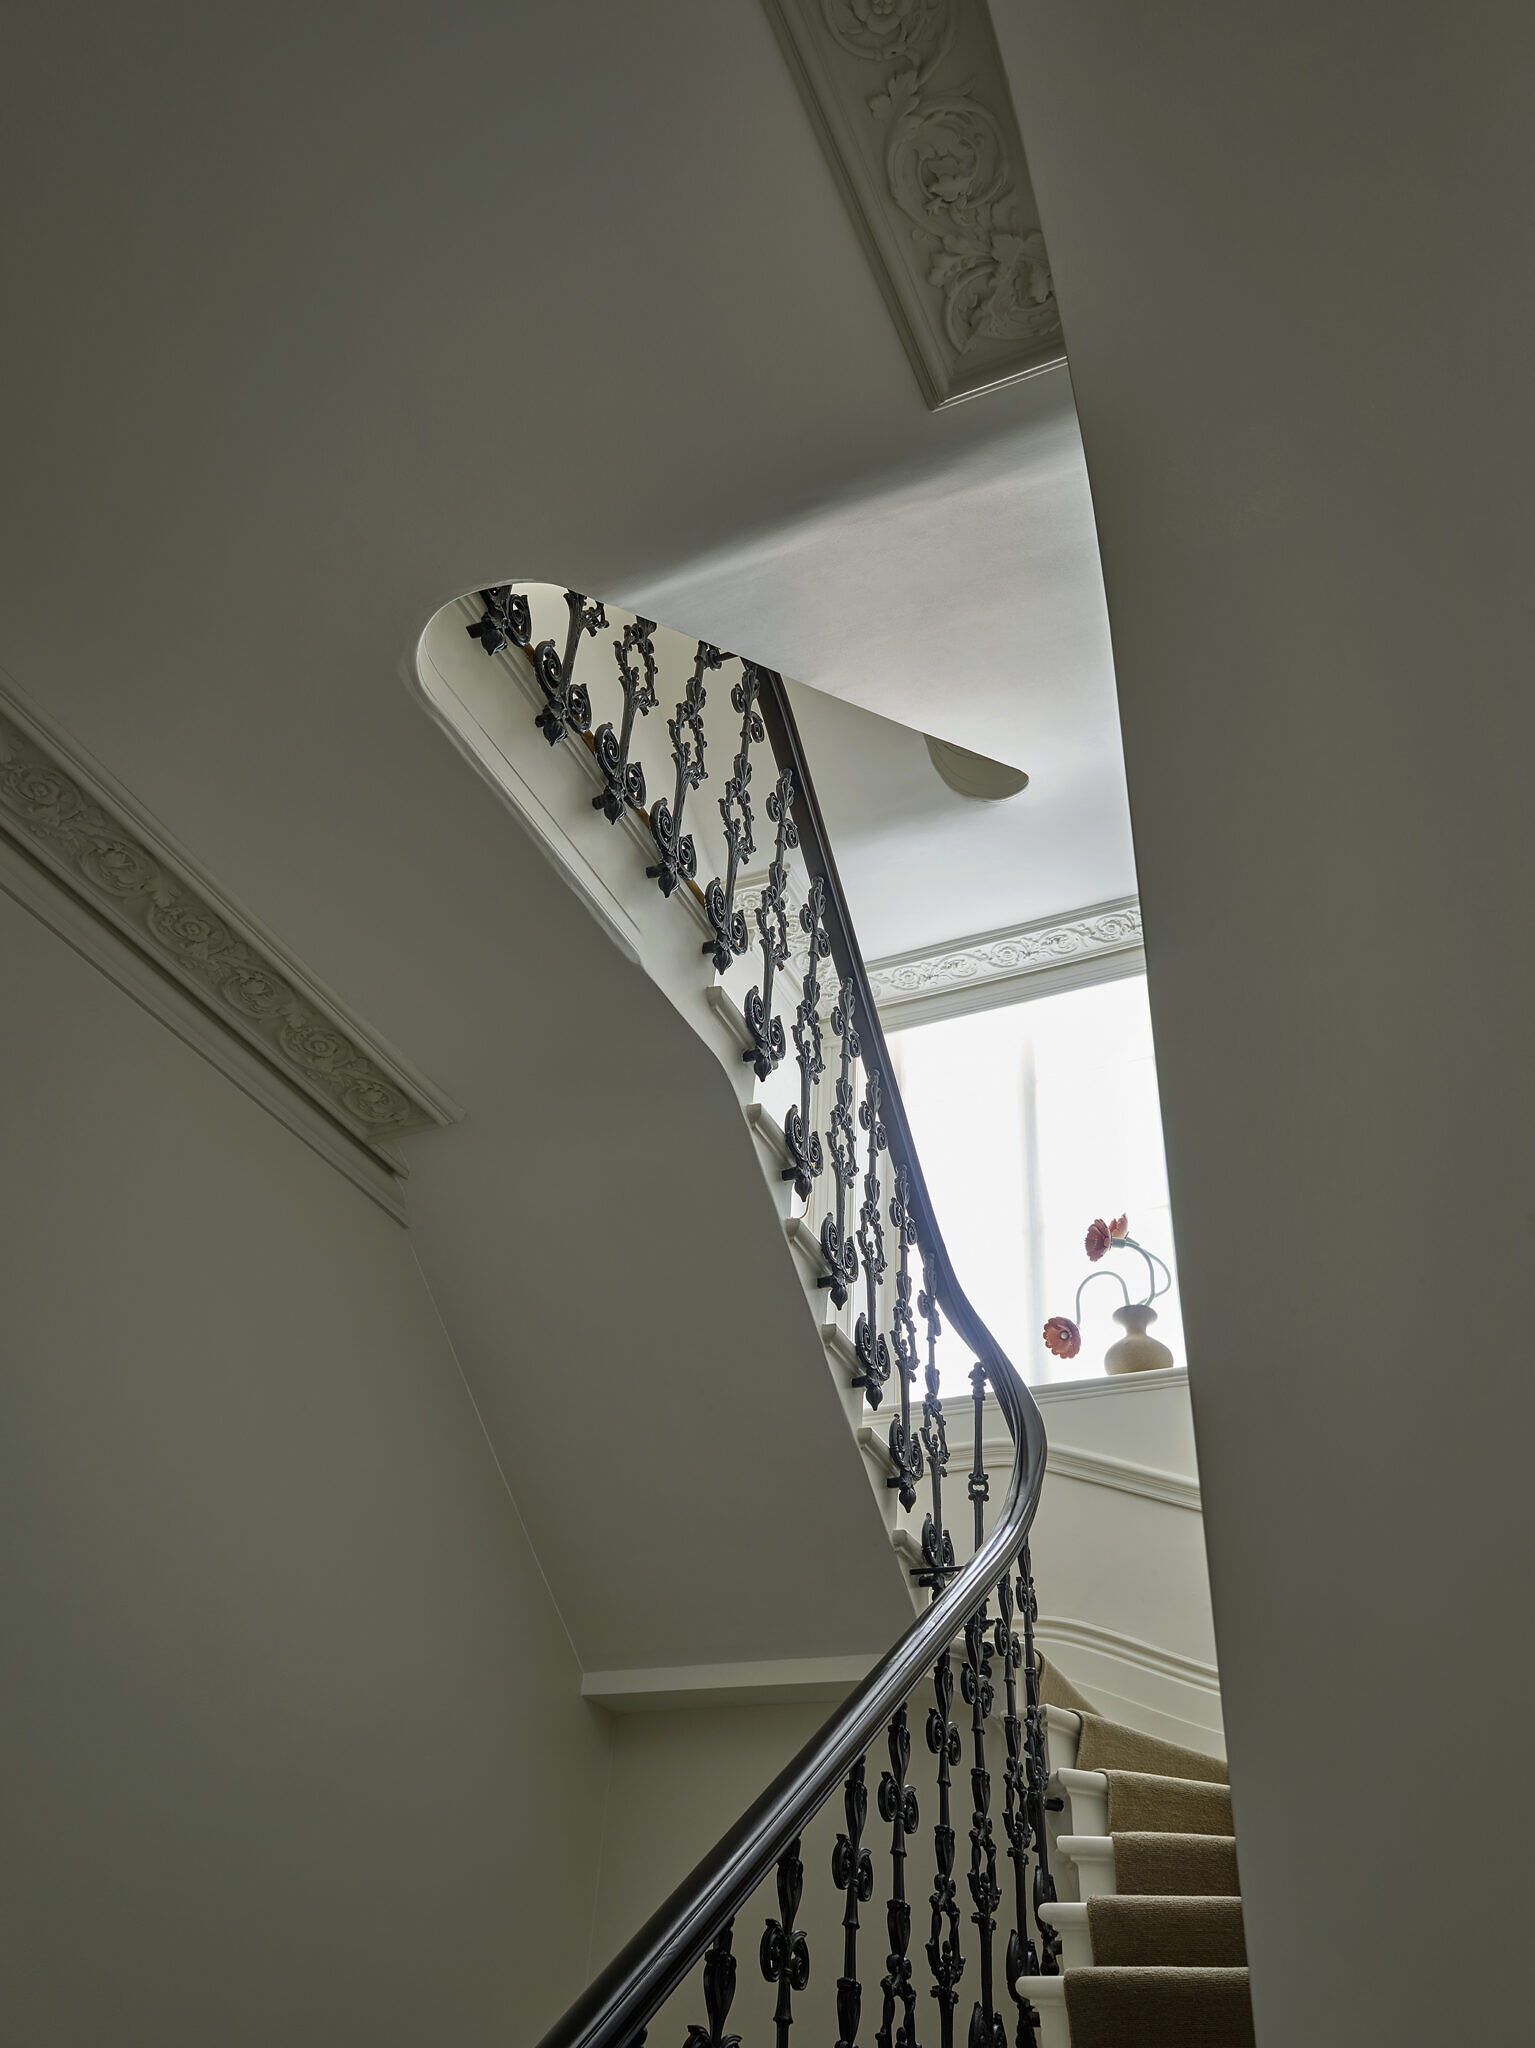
(1135, 1351)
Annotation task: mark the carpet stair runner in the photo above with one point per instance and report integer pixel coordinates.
(1153, 1952)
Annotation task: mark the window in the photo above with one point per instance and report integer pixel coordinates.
(1030, 1121)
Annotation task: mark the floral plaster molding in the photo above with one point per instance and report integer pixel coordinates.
(912, 107)
(89, 834)
(1097, 944)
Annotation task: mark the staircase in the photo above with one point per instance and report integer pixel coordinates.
(1123, 1924)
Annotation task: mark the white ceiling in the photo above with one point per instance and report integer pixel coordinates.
(969, 604)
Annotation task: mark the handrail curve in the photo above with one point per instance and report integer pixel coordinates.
(617, 2005)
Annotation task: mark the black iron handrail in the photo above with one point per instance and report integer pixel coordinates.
(618, 2004)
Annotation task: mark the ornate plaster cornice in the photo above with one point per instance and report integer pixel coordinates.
(912, 107)
(999, 967)
(88, 833)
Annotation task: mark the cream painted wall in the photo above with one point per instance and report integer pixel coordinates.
(1292, 247)
(293, 1747)
(679, 1778)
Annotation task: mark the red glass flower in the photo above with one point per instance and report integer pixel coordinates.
(1062, 1337)
(1098, 1235)
(1119, 1228)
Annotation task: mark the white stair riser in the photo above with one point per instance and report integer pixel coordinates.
(1093, 1858)
(1069, 1919)
(1086, 1794)
(1047, 1995)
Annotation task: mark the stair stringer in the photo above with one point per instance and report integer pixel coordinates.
(487, 709)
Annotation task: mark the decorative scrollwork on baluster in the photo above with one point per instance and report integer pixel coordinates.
(986, 2028)
(625, 779)
(800, 1134)
(945, 1957)
(679, 857)
(1022, 1956)
(1037, 1765)
(765, 1025)
(567, 706)
(506, 621)
(852, 1872)
(905, 1447)
(898, 1809)
(868, 1338)
(719, 1994)
(837, 1247)
(730, 933)
(938, 1564)
(785, 1952)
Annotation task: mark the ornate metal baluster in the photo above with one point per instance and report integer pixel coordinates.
(567, 707)
(868, 1338)
(719, 1993)
(944, 1956)
(785, 1952)
(898, 1807)
(764, 1025)
(679, 859)
(1022, 1956)
(1038, 1767)
(625, 779)
(937, 1544)
(905, 1450)
(506, 622)
(986, 2028)
(852, 1871)
(800, 1134)
(730, 935)
(837, 1248)
(978, 1490)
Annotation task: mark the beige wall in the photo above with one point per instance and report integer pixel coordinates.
(679, 1778)
(293, 1748)
(1292, 246)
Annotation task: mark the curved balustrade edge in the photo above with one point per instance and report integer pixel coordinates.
(615, 2008)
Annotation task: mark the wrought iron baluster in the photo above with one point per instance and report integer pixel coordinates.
(852, 1871)
(506, 621)
(1038, 1769)
(730, 934)
(837, 1248)
(625, 779)
(986, 2028)
(945, 1957)
(567, 707)
(1022, 1956)
(905, 1449)
(719, 1993)
(868, 1338)
(679, 857)
(765, 1026)
(800, 1134)
(898, 1807)
(937, 1544)
(785, 1951)
(978, 1489)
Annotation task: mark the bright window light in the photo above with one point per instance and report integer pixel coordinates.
(1030, 1121)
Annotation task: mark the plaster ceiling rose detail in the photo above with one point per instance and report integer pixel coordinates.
(913, 110)
(81, 827)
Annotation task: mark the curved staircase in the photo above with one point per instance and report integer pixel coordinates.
(1152, 1944)
(1079, 1878)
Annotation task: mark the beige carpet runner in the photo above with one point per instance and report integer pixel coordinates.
(1169, 1956)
